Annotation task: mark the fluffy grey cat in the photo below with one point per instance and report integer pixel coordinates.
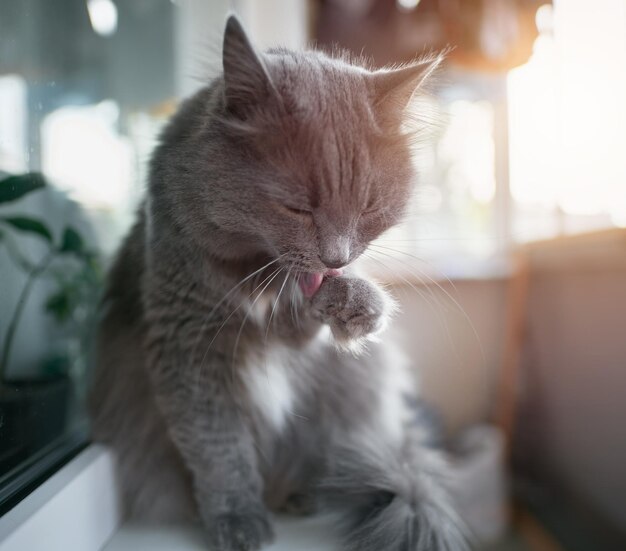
(227, 382)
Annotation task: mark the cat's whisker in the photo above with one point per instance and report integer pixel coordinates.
(454, 301)
(392, 240)
(292, 302)
(291, 306)
(419, 259)
(271, 316)
(241, 303)
(223, 324)
(435, 282)
(422, 278)
(269, 322)
(429, 298)
(221, 301)
(273, 276)
(420, 275)
(432, 307)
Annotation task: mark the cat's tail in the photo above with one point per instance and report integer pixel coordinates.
(392, 500)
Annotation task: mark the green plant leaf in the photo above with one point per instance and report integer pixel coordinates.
(27, 224)
(72, 242)
(59, 305)
(14, 187)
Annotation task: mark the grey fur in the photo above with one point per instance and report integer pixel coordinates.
(286, 164)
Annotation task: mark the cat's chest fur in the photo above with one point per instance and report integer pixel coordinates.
(278, 378)
(269, 378)
(269, 371)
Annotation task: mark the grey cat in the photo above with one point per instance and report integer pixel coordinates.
(227, 382)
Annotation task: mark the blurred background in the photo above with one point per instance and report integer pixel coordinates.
(510, 268)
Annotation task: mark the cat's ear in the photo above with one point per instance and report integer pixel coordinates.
(397, 86)
(246, 79)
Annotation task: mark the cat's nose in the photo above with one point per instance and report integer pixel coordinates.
(334, 263)
(336, 258)
(335, 252)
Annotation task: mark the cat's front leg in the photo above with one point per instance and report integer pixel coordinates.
(353, 307)
(229, 495)
(239, 531)
(199, 404)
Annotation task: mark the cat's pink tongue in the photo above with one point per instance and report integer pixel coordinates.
(310, 283)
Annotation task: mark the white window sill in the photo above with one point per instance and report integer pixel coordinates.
(305, 534)
(77, 509)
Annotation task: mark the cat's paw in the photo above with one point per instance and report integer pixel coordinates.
(239, 532)
(353, 308)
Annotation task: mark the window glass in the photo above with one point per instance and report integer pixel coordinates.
(533, 153)
(84, 88)
(568, 123)
(452, 223)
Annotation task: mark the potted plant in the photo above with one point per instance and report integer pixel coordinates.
(33, 408)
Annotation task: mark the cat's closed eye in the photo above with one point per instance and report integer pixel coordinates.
(302, 213)
(371, 212)
(372, 222)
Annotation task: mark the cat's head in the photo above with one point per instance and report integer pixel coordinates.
(319, 160)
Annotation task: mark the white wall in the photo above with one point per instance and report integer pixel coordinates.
(198, 42)
(275, 22)
(200, 24)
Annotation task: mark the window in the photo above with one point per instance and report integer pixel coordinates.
(454, 227)
(530, 154)
(568, 123)
(84, 88)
